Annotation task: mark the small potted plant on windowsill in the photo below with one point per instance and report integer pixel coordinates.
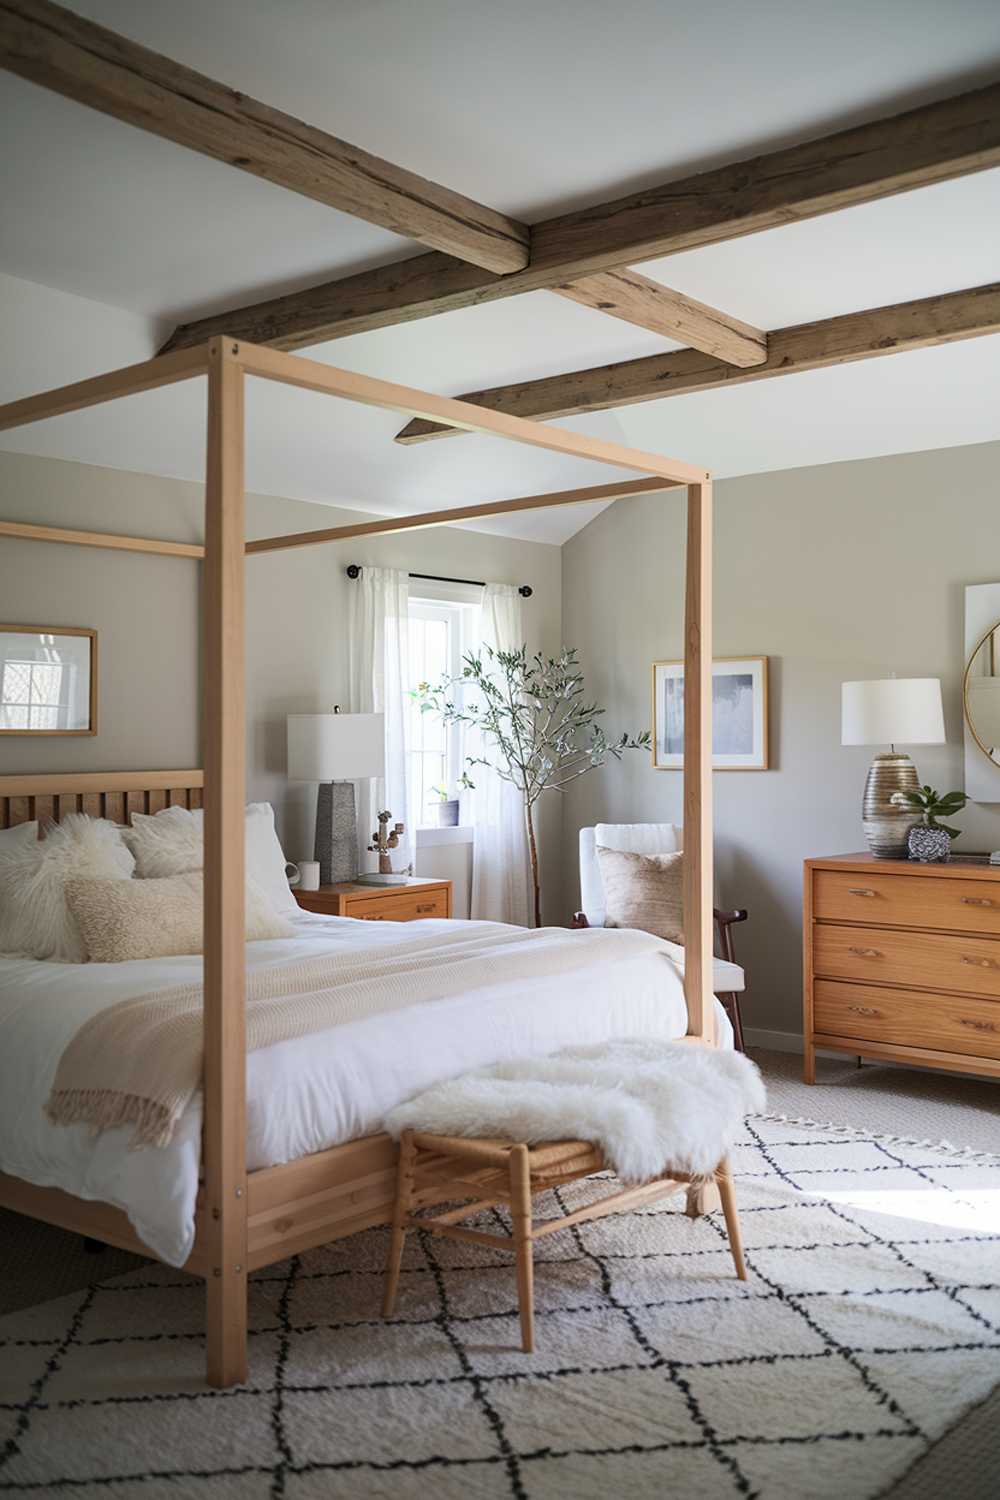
(447, 808)
(930, 841)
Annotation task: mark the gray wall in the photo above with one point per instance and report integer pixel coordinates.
(146, 611)
(851, 570)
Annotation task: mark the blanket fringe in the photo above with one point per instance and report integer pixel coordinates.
(102, 1110)
(968, 1153)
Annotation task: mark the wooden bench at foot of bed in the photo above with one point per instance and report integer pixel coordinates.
(290, 1208)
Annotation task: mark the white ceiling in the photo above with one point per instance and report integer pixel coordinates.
(532, 108)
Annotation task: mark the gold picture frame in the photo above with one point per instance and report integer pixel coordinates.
(747, 728)
(43, 683)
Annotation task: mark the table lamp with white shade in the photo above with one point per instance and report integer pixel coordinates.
(891, 711)
(334, 749)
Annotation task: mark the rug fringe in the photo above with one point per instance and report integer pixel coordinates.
(967, 1153)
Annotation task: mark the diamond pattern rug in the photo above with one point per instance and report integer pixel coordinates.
(870, 1324)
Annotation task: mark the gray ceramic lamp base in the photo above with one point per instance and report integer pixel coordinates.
(336, 846)
(887, 827)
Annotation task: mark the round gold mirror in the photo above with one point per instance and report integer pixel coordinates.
(981, 694)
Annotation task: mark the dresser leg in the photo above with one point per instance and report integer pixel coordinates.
(809, 1063)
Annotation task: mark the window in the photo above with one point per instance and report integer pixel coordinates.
(438, 631)
(31, 695)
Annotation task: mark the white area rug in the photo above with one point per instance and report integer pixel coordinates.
(870, 1324)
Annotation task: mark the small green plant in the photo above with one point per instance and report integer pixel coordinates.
(933, 806)
(440, 792)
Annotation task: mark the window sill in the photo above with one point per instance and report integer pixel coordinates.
(430, 838)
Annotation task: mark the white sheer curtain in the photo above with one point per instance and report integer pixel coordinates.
(501, 880)
(379, 680)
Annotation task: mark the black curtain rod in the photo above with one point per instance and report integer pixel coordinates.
(354, 571)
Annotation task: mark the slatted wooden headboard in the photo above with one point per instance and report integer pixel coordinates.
(102, 794)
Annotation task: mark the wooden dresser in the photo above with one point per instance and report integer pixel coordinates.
(902, 961)
(380, 903)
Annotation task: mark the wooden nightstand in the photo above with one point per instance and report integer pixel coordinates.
(380, 903)
(902, 961)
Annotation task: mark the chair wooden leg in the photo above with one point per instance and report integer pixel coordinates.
(728, 1195)
(520, 1207)
(404, 1195)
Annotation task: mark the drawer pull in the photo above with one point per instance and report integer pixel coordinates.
(980, 963)
(859, 890)
(428, 906)
(867, 952)
(979, 1025)
(977, 901)
(864, 1010)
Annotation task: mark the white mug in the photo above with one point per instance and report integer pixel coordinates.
(309, 874)
(292, 874)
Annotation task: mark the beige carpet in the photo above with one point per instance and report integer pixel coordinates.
(870, 1323)
(900, 1101)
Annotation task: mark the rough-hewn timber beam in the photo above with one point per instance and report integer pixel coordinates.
(922, 146)
(808, 346)
(637, 299)
(61, 51)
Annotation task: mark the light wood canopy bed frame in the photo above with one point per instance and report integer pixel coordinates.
(247, 1220)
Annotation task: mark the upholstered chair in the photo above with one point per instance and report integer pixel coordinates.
(659, 838)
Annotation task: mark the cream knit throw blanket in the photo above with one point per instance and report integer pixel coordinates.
(140, 1061)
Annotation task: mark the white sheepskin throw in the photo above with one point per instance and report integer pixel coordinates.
(648, 1104)
(35, 921)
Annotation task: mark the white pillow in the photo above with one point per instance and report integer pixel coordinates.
(120, 920)
(35, 921)
(171, 842)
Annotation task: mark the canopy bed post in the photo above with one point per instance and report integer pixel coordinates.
(698, 873)
(223, 716)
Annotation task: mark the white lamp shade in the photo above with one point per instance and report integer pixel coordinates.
(892, 711)
(335, 747)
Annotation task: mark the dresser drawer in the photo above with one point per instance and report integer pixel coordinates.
(907, 900)
(907, 1018)
(403, 908)
(923, 960)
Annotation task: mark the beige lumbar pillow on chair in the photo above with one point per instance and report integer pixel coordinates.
(644, 891)
(127, 919)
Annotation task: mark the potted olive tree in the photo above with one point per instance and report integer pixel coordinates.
(536, 727)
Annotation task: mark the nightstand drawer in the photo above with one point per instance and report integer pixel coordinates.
(921, 959)
(907, 900)
(410, 906)
(907, 1018)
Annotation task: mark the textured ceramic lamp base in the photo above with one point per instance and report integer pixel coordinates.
(336, 846)
(887, 827)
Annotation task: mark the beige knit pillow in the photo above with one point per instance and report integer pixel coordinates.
(124, 919)
(644, 891)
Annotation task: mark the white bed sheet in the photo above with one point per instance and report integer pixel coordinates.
(303, 1095)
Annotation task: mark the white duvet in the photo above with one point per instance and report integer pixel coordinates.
(302, 1095)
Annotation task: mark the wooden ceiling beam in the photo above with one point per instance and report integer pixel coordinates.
(62, 51)
(636, 299)
(808, 346)
(893, 155)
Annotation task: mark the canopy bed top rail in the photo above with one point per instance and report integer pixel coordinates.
(102, 794)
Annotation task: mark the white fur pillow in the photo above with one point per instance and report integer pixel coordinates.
(35, 921)
(171, 842)
(156, 918)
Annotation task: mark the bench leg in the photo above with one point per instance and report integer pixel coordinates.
(702, 1198)
(404, 1196)
(520, 1205)
(728, 1195)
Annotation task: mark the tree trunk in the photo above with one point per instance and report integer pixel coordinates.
(533, 851)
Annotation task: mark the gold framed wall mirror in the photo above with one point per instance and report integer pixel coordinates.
(981, 693)
(48, 680)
